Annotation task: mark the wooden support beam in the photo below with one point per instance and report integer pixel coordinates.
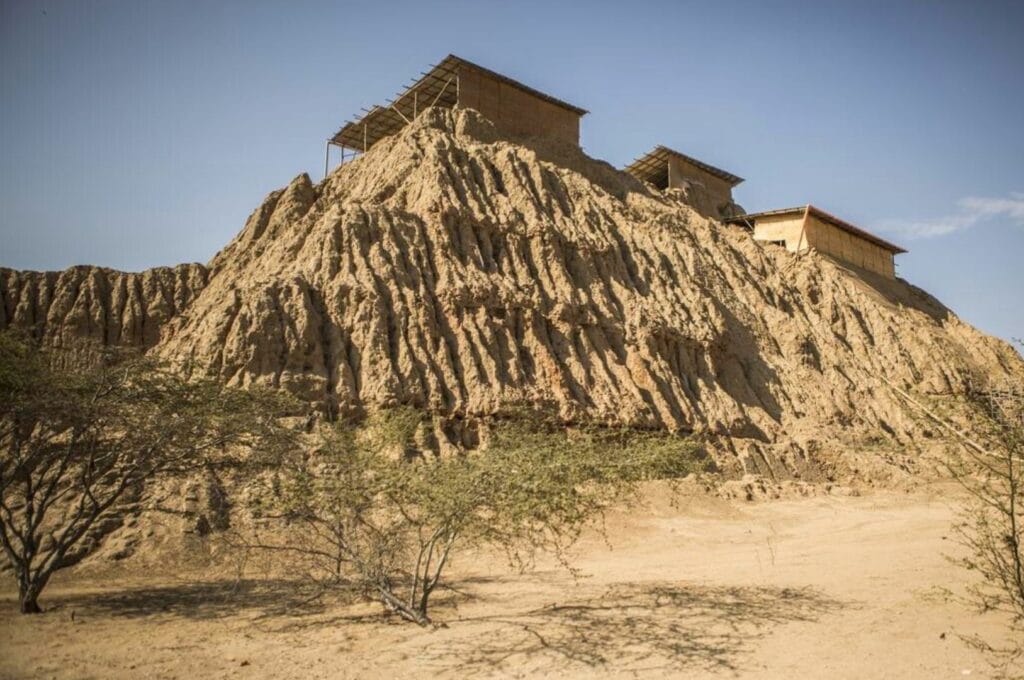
(395, 109)
(803, 227)
(449, 81)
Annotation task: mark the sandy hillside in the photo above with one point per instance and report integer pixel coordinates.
(459, 272)
(837, 587)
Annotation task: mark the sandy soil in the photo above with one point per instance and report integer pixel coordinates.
(805, 588)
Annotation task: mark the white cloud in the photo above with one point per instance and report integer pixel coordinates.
(971, 211)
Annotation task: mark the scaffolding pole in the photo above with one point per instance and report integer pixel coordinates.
(447, 83)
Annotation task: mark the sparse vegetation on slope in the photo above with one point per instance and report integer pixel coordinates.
(77, 443)
(992, 524)
(357, 511)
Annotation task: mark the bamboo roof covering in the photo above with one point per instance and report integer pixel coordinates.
(653, 167)
(436, 87)
(825, 217)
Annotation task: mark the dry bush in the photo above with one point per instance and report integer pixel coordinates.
(992, 526)
(352, 512)
(76, 443)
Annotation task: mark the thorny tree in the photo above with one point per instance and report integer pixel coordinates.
(76, 443)
(360, 512)
(992, 527)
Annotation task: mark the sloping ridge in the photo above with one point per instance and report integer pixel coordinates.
(98, 304)
(463, 273)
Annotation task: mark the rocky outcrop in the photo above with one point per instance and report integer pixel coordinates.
(455, 271)
(101, 305)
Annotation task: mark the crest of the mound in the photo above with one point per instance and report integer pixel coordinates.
(454, 270)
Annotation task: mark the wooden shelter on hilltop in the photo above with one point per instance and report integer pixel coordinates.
(666, 168)
(513, 107)
(522, 112)
(802, 228)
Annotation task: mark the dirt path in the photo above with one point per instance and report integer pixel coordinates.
(820, 587)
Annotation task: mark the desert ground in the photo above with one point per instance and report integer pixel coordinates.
(699, 587)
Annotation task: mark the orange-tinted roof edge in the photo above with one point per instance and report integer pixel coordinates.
(828, 217)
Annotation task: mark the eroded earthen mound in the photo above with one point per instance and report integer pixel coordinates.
(462, 273)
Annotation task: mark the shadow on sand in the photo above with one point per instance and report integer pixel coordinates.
(626, 627)
(207, 600)
(280, 604)
(639, 628)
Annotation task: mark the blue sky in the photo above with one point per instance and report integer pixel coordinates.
(140, 133)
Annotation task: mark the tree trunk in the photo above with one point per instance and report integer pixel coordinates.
(29, 587)
(406, 612)
(29, 600)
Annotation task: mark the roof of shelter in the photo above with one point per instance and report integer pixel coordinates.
(651, 165)
(436, 87)
(824, 216)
